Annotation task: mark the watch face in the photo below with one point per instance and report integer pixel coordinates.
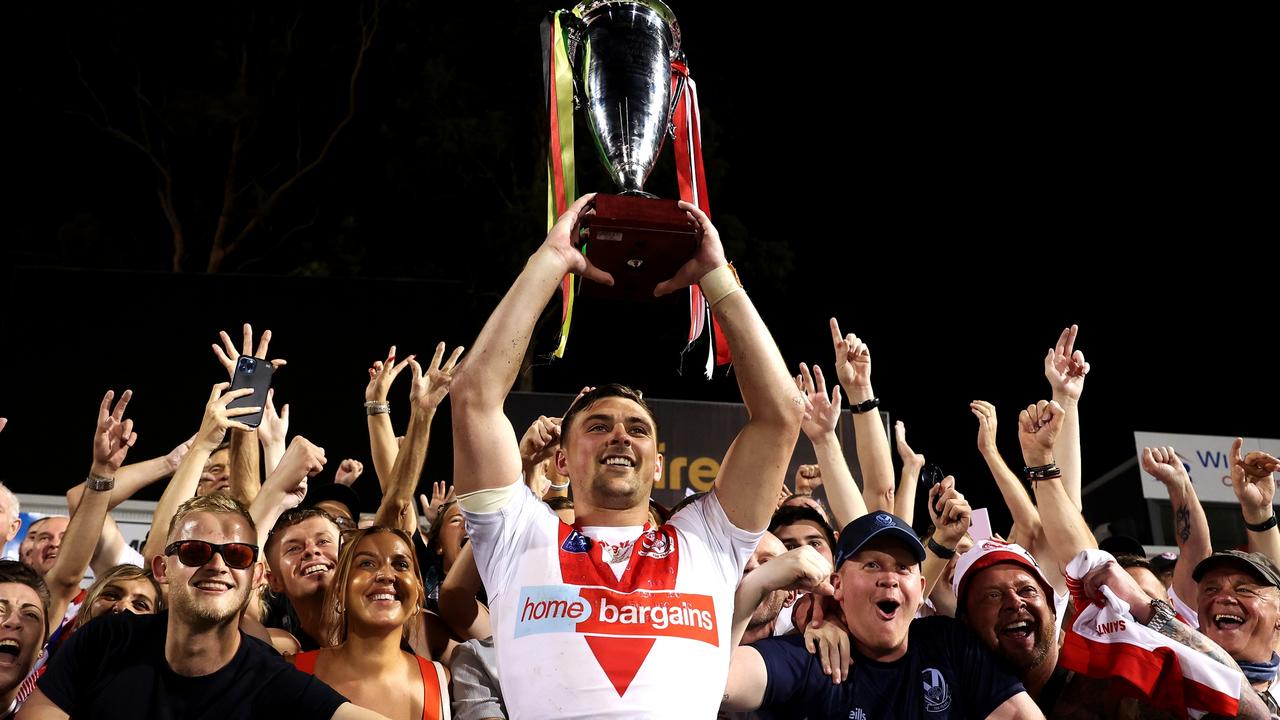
(1161, 614)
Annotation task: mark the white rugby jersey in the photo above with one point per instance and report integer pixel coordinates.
(575, 640)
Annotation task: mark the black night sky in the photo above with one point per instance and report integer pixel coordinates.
(953, 191)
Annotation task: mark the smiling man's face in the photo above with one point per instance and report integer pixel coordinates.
(303, 558)
(1007, 609)
(611, 454)
(213, 593)
(1239, 612)
(46, 543)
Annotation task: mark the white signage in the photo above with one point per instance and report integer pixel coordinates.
(1206, 458)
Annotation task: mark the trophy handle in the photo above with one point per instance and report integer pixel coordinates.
(574, 28)
(678, 93)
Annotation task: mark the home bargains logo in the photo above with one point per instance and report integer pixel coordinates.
(601, 611)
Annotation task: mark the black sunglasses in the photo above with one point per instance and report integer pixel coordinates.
(196, 553)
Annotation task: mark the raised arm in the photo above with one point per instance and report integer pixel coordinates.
(1064, 526)
(112, 439)
(755, 466)
(537, 445)
(950, 513)
(904, 501)
(853, 367)
(112, 549)
(800, 569)
(538, 448)
(1253, 481)
(459, 608)
(1025, 515)
(286, 487)
(485, 453)
(819, 425)
(182, 486)
(428, 391)
(133, 477)
(1190, 527)
(1065, 369)
(246, 464)
(273, 432)
(383, 447)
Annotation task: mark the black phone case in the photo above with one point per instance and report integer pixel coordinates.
(256, 374)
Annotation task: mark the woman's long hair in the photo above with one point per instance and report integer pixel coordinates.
(117, 573)
(336, 622)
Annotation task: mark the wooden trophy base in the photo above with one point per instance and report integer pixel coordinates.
(641, 241)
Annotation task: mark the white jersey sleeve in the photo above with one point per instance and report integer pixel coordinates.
(705, 520)
(498, 535)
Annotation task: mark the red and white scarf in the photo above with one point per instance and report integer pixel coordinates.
(1106, 642)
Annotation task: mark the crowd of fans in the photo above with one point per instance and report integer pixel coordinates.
(544, 582)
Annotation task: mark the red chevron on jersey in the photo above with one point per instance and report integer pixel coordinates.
(653, 566)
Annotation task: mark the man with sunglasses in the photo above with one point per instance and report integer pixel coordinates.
(192, 660)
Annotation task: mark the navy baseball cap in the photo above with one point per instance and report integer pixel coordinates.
(861, 531)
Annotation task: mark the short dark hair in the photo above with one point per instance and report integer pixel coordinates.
(792, 514)
(822, 507)
(1134, 561)
(604, 391)
(559, 502)
(12, 571)
(292, 517)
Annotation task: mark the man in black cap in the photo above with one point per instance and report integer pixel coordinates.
(932, 667)
(1238, 600)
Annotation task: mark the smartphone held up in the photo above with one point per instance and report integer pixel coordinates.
(255, 374)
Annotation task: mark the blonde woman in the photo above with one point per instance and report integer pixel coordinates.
(123, 588)
(375, 597)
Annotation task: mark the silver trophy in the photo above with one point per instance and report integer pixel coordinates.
(623, 51)
(627, 48)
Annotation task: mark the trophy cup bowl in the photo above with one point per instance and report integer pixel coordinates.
(623, 68)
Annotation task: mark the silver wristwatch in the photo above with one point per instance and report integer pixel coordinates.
(1161, 615)
(99, 483)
